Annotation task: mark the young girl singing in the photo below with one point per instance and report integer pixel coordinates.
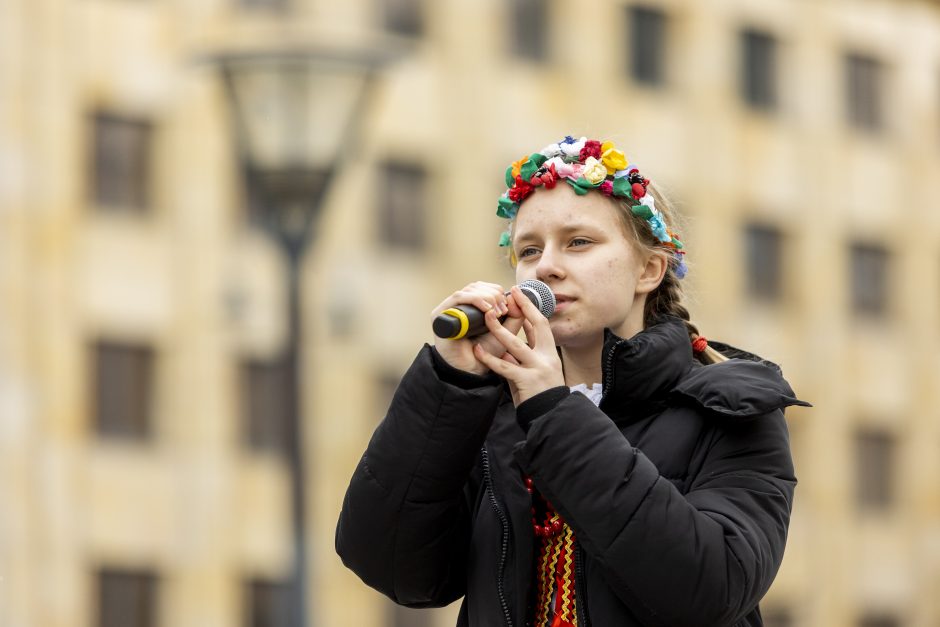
(605, 466)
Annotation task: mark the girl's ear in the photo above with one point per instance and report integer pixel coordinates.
(653, 272)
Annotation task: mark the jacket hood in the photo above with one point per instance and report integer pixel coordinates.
(745, 386)
(656, 367)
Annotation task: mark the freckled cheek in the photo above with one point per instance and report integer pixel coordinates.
(614, 287)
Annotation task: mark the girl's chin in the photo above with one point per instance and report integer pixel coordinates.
(569, 336)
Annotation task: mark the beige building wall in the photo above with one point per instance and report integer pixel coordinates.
(193, 279)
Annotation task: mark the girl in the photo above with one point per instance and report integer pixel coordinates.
(611, 468)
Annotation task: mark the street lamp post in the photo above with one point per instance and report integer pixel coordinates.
(295, 116)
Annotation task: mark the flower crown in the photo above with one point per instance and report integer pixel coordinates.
(586, 164)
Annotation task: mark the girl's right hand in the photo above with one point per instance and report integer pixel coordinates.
(483, 296)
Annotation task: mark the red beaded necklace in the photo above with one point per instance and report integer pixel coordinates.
(555, 563)
(553, 521)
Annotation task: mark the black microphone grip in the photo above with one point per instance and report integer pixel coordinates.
(467, 321)
(451, 325)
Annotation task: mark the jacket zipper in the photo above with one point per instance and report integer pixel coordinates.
(580, 587)
(504, 522)
(609, 369)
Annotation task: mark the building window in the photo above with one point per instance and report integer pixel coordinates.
(764, 252)
(264, 5)
(123, 389)
(401, 205)
(399, 616)
(777, 616)
(386, 383)
(879, 620)
(864, 92)
(528, 31)
(121, 162)
(402, 17)
(265, 406)
(874, 469)
(267, 603)
(758, 77)
(647, 45)
(869, 281)
(126, 599)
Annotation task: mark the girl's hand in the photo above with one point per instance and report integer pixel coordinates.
(531, 367)
(489, 298)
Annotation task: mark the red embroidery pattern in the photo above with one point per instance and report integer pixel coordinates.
(556, 595)
(555, 606)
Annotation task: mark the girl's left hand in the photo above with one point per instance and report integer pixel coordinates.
(531, 367)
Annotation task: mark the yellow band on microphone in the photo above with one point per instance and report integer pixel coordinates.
(464, 323)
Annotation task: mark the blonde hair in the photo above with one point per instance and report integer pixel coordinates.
(666, 299)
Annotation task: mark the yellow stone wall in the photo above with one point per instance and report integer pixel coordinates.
(204, 513)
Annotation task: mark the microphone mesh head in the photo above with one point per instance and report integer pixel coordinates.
(541, 295)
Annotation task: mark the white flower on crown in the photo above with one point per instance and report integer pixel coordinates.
(573, 150)
(552, 150)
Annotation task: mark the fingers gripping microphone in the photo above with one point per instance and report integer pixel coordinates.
(467, 321)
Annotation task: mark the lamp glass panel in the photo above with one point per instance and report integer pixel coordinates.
(295, 113)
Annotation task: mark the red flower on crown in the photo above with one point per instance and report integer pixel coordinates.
(592, 148)
(519, 191)
(547, 177)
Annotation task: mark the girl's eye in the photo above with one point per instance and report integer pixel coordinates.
(527, 252)
(580, 241)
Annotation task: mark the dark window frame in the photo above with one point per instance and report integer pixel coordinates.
(865, 91)
(759, 69)
(647, 43)
(385, 383)
(127, 598)
(403, 215)
(528, 29)
(264, 406)
(776, 615)
(876, 459)
(401, 616)
(869, 279)
(271, 6)
(764, 257)
(121, 162)
(123, 389)
(266, 603)
(879, 619)
(403, 17)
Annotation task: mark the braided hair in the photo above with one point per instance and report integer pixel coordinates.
(666, 299)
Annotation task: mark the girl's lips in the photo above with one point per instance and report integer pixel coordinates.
(562, 302)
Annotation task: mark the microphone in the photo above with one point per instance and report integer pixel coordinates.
(467, 321)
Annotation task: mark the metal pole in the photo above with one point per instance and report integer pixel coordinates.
(293, 351)
(293, 242)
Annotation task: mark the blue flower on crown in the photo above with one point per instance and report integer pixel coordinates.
(658, 226)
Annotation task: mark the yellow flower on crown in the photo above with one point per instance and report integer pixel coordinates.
(612, 158)
(517, 165)
(594, 171)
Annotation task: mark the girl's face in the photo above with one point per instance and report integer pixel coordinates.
(577, 245)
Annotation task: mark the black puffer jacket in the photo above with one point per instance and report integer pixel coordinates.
(678, 488)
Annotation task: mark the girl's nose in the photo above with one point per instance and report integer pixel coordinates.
(549, 266)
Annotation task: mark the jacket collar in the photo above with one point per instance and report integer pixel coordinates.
(642, 370)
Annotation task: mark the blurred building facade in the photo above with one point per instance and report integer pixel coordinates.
(142, 472)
